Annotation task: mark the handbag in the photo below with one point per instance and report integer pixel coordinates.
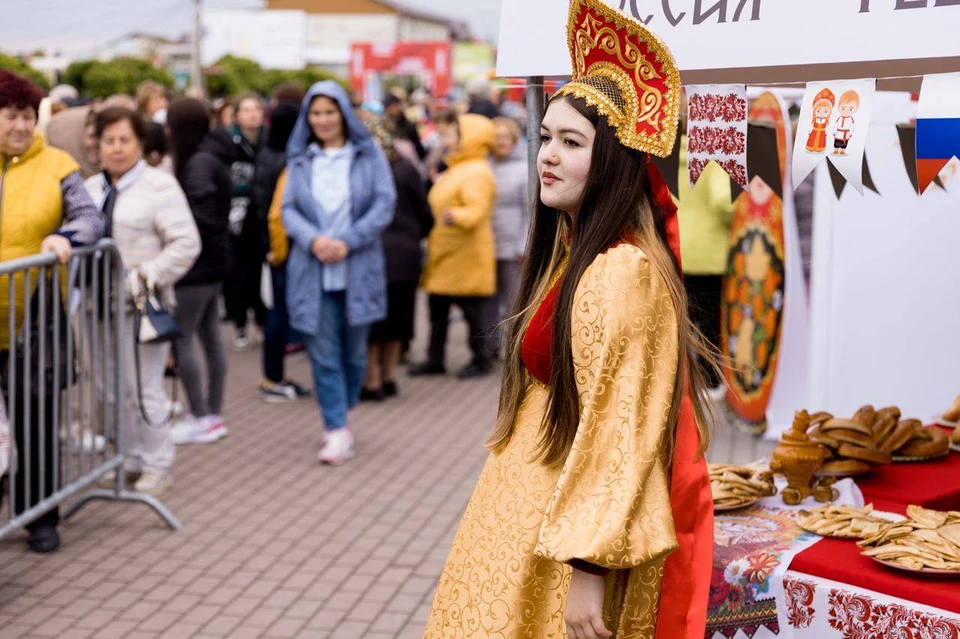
(153, 324)
(43, 373)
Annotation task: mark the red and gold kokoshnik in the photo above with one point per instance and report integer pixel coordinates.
(626, 72)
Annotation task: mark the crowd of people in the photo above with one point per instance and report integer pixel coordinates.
(345, 208)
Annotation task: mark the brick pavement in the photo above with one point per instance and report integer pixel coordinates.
(275, 545)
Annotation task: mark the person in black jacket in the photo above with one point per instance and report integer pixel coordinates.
(200, 159)
(404, 129)
(411, 223)
(271, 161)
(247, 224)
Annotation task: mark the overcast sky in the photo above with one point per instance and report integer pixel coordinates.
(76, 28)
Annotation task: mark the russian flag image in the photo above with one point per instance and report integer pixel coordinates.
(938, 126)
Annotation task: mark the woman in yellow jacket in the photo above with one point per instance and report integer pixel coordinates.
(44, 208)
(461, 268)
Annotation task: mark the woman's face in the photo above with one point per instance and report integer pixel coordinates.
(16, 129)
(120, 149)
(226, 116)
(566, 149)
(250, 114)
(157, 102)
(326, 122)
(503, 142)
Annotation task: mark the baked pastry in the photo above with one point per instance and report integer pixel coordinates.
(955, 436)
(846, 424)
(889, 411)
(865, 415)
(871, 455)
(927, 539)
(952, 414)
(842, 522)
(926, 442)
(900, 435)
(852, 437)
(884, 425)
(816, 435)
(735, 486)
(818, 418)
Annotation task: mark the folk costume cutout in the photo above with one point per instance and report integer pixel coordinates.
(834, 121)
(617, 503)
(822, 109)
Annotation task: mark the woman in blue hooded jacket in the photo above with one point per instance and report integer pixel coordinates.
(339, 198)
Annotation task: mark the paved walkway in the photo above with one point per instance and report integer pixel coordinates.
(275, 545)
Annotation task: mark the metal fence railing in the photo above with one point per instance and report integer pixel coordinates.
(61, 376)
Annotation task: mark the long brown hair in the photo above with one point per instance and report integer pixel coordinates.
(616, 203)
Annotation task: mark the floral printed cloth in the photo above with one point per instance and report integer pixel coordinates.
(752, 551)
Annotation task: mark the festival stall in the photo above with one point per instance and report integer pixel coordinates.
(851, 529)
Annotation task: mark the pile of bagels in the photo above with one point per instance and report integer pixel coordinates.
(874, 437)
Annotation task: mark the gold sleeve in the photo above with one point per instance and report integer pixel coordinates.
(611, 506)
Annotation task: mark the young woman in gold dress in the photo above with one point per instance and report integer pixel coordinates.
(593, 515)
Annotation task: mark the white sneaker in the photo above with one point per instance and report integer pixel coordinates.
(154, 483)
(338, 447)
(211, 429)
(109, 480)
(204, 430)
(90, 442)
(183, 429)
(84, 441)
(241, 342)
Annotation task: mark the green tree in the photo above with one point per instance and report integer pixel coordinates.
(73, 75)
(121, 75)
(20, 67)
(231, 75)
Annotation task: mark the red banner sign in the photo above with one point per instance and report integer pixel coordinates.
(431, 61)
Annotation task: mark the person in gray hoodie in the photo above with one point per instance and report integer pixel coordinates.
(339, 198)
(511, 214)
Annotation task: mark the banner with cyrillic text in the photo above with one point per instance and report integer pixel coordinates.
(717, 41)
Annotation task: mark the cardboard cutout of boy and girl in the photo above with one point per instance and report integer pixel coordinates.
(845, 121)
(843, 125)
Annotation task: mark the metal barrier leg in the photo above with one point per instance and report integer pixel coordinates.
(125, 495)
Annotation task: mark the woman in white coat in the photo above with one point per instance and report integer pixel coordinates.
(149, 219)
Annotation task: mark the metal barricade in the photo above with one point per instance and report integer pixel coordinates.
(61, 375)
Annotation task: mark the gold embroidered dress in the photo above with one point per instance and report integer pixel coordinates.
(609, 504)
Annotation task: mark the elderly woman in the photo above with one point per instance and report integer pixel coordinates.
(412, 221)
(44, 208)
(511, 215)
(150, 220)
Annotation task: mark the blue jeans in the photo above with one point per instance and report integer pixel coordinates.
(338, 355)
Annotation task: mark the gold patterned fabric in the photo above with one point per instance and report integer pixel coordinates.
(609, 505)
(627, 73)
